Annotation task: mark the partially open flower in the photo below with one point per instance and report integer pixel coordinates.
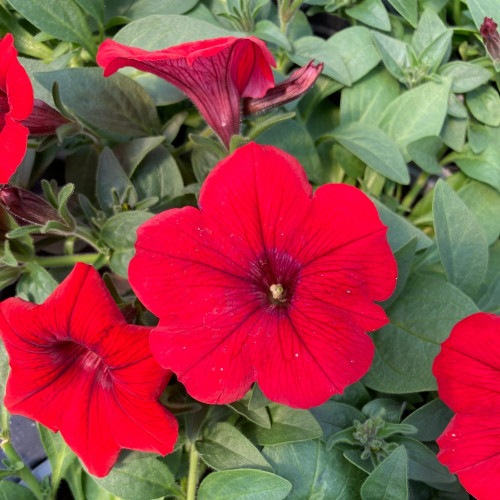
(216, 75)
(491, 38)
(77, 367)
(266, 282)
(16, 104)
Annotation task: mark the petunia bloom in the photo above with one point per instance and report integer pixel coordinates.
(215, 74)
(468, 375)
(265, 282)
(43, 120)
(16, 104)
(77, 367)
(491, 38)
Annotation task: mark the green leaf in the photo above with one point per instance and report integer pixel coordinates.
(62, 19)
(400, 230)
(158, 175)
(484, 203)
(356, 48)
(478, 136)
(408, 9)
(138, 476)
(431, 40)
(483, 8)
(484, 104)
(257, 399)
(387, 408)
(313, 47)
(430, 420)
(258, 416)
(145, 8)
(93, 491)
(420, 320)
(288, 425)
(131, 153)
(485, 166)
(354, 395)
(224, 447)
(110, 177)
(314, 472)
(367, 99)
(268, 31)
(13, 491)
(372, 146)
(334, 417)
(244, 484)
(417, 113)
(388, 481)
(120, 261)
(372, 13)
(203, 160)
(424, 153)
(456, 107)
(294, 138)
(58, 452)
(36, 284)
(464, 76)
(81, 170)
(394, 54)
(404, 257)
(120, 231)
(115, 104)
(423, 464)
(93, 7)
(453, 133)
(464, 254)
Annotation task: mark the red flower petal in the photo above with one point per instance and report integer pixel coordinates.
(470, 447)
(214, 74)
(14, 81)
(468, 367)
(13, 143)
(208, 275)
(77, 367)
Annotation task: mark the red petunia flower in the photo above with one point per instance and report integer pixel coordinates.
(78, 367)
(215, 74)
(265, 282)
(16, 104)
(468, 375)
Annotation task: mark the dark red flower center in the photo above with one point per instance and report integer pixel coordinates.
(67, 354)
(275, 275)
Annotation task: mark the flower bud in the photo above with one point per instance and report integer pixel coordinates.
(297, 84)
(43, 120)
(491, 38)
(27, 208)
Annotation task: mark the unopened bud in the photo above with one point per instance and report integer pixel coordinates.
(297, 84)
(491, 38)
(44, 120)
(27, 208)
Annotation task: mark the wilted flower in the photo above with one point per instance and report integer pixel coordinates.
(215, 74)
(491, 38)
(467, 372)
(266, 282)
(77, 367)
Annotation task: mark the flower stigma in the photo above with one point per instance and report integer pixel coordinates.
(277, 292)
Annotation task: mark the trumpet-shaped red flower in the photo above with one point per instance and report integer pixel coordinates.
(215, 74)
(468, 375)
(265, 282)
(16, 104)
(78, 367)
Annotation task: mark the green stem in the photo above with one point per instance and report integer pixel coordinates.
(60, 260)
(410, 198)
(457, 12)
(193, 473)
(25, 474)
(86, 236)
